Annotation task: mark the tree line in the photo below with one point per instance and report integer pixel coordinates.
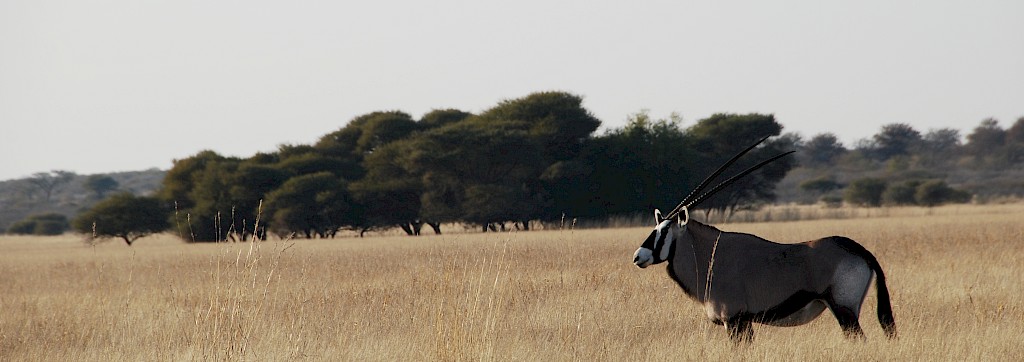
(532, 159)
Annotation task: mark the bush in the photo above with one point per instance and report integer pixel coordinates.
(42, 224)
(901, 194)
(865, 192)
(23, 227)
(936, 192)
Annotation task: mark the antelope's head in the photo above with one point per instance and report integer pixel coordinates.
(658, 246)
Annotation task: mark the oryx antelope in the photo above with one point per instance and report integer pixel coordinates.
(741, 278)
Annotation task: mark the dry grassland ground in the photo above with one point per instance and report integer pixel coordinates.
(955, 274)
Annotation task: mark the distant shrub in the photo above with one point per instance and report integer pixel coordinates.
(831, 201)
(936, 192)
(23, 227)
(42, 224)
(820, 185)
(901, 194)
(865, 192)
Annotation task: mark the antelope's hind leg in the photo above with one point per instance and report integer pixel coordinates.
(849, 321)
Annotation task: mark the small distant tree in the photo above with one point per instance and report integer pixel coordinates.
(124, 216)
(823, 149)
(896, 139)
(986, 139)
(1015, 134)
(101, 185)
(940, 146)
(865, 192)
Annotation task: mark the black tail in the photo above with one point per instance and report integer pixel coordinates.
(885, 317)
(884, 306)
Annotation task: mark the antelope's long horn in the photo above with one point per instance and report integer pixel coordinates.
(735, 178)
(707, 180)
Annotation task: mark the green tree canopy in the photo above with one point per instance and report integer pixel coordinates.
(986, 139)
(896, 139)
(556, 120)
(442, 117)
(389, 194)
(641, 166)
(180, 180)
(719, 137)
(823, 149)
(450, 160)
(315, 204)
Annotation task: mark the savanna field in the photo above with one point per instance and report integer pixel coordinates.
(956, 275)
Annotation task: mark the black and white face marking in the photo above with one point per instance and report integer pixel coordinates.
(656, 248)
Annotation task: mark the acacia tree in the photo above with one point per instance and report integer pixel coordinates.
(721, 136)
(452, 160)
(896, 139)
(557, 121)
(641, 166)
(179, 182)
(311, 205)
(823, 149)
(940, 146)
(986, 139)
(124, 216)
(47, 182)
(389, 194)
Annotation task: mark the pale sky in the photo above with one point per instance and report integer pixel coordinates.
(123, 85)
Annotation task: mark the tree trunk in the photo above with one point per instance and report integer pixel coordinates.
(408, 230)
(436, 226)
(526, 225)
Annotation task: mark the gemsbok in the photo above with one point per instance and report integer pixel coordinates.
(741, 279)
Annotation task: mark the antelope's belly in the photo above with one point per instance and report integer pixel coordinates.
(802, 316)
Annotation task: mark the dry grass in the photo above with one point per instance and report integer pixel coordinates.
(955, 275)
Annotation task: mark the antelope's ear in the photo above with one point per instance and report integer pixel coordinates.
(657, 217)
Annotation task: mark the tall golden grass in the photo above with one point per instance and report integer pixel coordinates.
(956, 275)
